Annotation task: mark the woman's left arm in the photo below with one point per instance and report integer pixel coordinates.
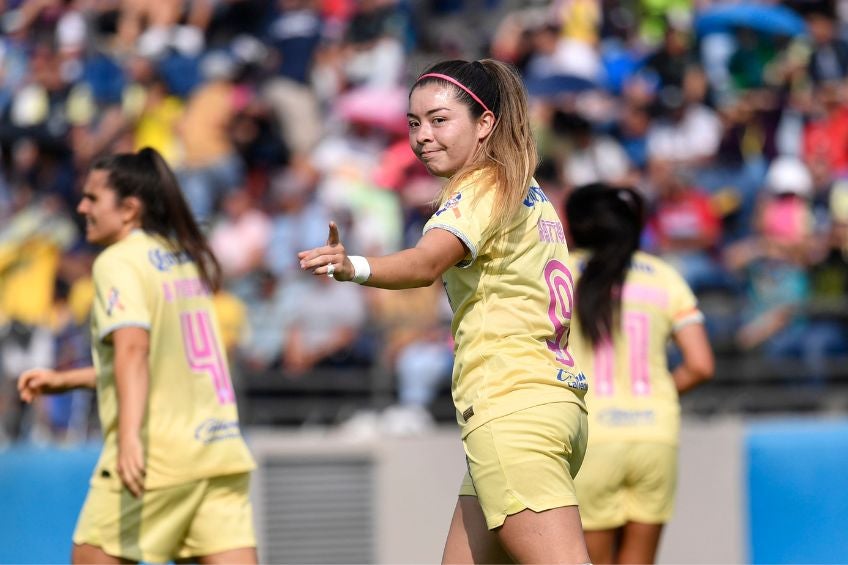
(132, 380)
(698, 362)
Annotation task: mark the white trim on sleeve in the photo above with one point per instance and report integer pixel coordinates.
(465, 263)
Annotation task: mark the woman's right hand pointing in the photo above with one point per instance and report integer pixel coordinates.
(329, 260)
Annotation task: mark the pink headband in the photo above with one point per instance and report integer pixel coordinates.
(457, 83)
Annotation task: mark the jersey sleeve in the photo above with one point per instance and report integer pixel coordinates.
(466, 215)
(683, 305)
(119, 299)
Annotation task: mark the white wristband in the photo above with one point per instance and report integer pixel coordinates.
(361, 268)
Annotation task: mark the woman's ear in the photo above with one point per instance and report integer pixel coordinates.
(485, 125)
(131, 209)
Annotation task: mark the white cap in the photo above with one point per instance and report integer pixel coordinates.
(789, 175)
(218, 65)
(71, 31)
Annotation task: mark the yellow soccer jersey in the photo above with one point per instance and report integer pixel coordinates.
(633, 396)
(191, 428)
(512, 299)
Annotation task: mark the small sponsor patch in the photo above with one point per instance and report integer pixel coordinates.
(466, 415)
(113, 301)
(450, 203)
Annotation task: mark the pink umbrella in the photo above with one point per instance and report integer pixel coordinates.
(382, 107)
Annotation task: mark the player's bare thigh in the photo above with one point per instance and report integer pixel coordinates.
(469, 539)
(550, 536)
(84, 553)
(242, 556)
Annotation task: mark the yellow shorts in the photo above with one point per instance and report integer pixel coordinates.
(526, 459)
(189, 520)
(627, 482)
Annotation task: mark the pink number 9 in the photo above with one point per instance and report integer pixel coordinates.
(561, 291)
(203, 354)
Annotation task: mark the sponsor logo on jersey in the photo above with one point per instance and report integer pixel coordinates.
(212, 430)
(577, 382)
(619, 417)
(534, 196)
(113, 300)
(163, 260)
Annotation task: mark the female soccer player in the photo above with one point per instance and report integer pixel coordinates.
(172, 479)
(501, 251)
(628, 305)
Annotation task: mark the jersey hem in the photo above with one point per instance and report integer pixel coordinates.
(106, 331)
(489, 415)
(96, 481)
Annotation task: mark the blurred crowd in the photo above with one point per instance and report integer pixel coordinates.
(279, 115)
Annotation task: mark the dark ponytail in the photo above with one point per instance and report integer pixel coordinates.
(146, 176)
(608, 223)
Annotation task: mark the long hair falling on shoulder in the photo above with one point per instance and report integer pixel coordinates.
(146, 176)
(508, 155)
(606, 222)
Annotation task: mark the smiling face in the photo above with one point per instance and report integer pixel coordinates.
(107, 220)
(442, 132)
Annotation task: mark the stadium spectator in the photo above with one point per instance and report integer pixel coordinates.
(775, 262)
(589, 156)
(211, 168)
(326, 324)
(685, 225)
(418, 352)
(829, 58)
(240, 238)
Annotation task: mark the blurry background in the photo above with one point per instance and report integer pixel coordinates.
(730, 117)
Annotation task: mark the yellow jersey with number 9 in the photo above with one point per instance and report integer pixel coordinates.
(512, 299)
(191, 427)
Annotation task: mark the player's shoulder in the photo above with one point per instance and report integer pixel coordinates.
(657, 269)
(576, 260)
(117, 252)
(649, 264)
(136, 251)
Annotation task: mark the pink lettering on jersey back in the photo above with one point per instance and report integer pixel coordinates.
(182, 289)
(550, 231)
(644, 293)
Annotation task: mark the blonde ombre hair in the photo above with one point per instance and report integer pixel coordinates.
(507, 157)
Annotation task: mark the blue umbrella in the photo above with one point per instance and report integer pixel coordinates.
(558, 84)
(765, 18)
